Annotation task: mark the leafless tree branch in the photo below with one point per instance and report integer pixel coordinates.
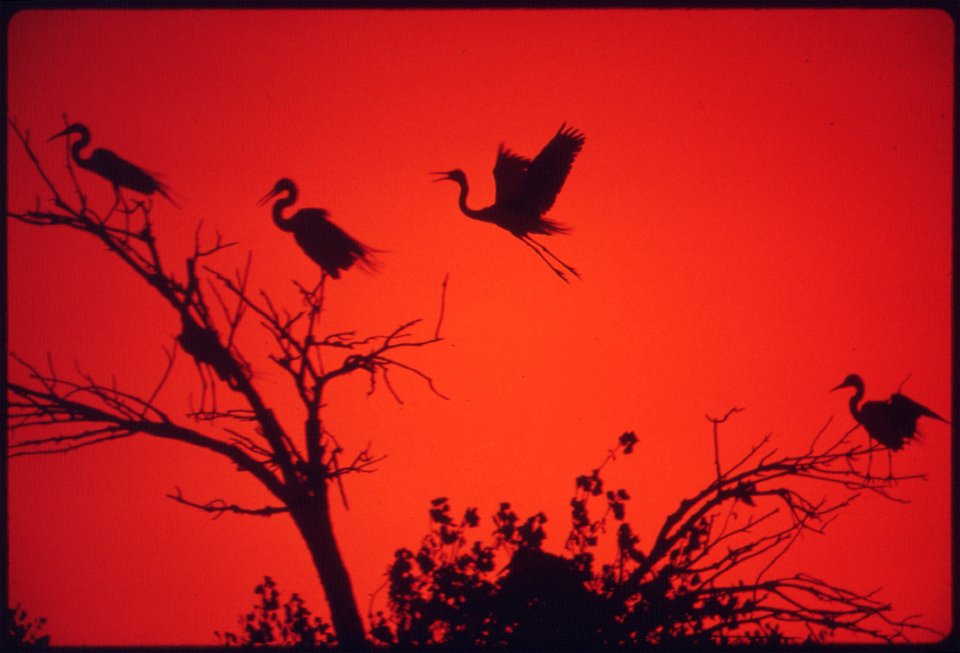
(51, 413)
(218, 507)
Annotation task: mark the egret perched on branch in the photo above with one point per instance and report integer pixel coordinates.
(525, 190)
(324, 242)
(893, 422)
(118, 171)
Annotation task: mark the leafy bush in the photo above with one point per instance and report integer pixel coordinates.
(687, 588)
(21, 633)
(272, 623)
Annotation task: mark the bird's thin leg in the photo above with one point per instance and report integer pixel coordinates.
(314, 295)
(321, 288)
(528, 243)
(116, 203)
(555, 257)
(889, 465)
(142, 206)
(126, 207)
(127, 211)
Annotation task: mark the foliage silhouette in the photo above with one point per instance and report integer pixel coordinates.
(705, 581)
(23, 633)
(52, 413)
(272, 623)
(681, 590)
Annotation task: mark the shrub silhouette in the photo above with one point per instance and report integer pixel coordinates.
(272, 623)
(689, 588)
(23, 633)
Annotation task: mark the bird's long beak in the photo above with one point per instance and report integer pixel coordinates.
(842, 385)
(58, 134)
(266, 198)
(445, 177)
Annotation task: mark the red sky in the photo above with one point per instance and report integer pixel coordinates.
(762, 206)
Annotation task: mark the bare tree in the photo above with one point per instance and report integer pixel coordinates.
(53, 413)
(688, 584)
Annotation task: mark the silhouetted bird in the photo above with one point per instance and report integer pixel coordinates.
(891, 422)
(324, 242)
(525, 190)
(119, 172)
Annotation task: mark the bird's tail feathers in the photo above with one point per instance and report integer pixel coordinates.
(367, 258)
(162, 187)
(548, 227)
(369, 263)
(914, 436)
(165, 190)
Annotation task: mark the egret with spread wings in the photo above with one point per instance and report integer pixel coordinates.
(526, 190)
(893, 422)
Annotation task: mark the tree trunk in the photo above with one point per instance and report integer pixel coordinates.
(313, 519)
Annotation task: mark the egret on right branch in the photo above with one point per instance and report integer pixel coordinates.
(893, 422)
(525, 190)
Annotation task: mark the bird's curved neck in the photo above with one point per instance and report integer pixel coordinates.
(81, 143)
(462, 200)
(280, 205)
(855, 401)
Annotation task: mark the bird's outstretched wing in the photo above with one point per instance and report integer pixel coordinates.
(546, 173)
(508, 176)
(904, 405)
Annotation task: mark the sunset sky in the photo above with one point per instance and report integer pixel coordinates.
(762, 206)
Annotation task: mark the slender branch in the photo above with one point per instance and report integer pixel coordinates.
(88, 439)
(218, 507)
(716, 442)
(24, 138)
(52, 407)
(171, 357)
